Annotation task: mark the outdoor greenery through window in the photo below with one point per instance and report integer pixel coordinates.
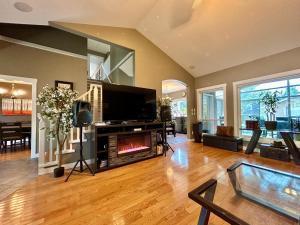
(179, 107)
(288, 111)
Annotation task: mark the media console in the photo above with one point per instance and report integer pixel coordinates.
(122, 144)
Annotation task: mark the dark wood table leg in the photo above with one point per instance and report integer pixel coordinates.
(205, 213)
(253, 141)
(232, 176)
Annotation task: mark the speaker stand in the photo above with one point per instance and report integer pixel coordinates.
(166, 145)
(81, 161)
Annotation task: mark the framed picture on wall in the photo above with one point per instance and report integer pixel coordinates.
(64, 84)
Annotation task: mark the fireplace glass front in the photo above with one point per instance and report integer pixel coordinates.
(133, 143)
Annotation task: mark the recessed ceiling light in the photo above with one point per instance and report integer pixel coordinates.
(23, 7)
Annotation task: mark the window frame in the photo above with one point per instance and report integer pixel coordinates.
(184, 99)
(263, 79)
(199, 99)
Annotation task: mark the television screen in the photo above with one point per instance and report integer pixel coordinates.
(123, 103)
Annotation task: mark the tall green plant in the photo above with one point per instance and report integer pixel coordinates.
(163, 101)
(270, 101)
(56, 107)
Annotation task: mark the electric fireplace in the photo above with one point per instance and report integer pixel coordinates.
(133, 143)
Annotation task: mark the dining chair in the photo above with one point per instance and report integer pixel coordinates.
(11, 132)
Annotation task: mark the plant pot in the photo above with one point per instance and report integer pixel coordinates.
(271, 125)
(252, 124)
(59, 172)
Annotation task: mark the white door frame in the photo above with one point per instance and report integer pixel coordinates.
(33, 83)
(211, 88)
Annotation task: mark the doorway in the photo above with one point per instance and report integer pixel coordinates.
(211, 102)
(18, 156)
(176, 92)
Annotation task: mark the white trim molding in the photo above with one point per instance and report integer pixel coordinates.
(33, 82)
(211, 88)
(267, 78)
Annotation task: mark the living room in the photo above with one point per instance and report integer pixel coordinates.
(114, 143)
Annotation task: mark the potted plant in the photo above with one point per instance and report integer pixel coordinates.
(270, 101)
(56, 107)
(164, 108)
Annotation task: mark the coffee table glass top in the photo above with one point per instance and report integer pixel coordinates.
(253, 194)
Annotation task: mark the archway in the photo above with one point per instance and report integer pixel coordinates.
(177, 92)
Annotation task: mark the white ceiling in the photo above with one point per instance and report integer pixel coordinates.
(203, 36)
(170, 86)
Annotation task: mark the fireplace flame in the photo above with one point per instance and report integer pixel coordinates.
(132, 148)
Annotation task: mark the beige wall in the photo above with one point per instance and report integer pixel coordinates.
(45, 66)
(285, 61)
(151, 64)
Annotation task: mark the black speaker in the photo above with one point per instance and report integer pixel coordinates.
(82, 115)
(165, 113)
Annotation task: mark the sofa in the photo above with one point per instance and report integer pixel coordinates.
(223, 139)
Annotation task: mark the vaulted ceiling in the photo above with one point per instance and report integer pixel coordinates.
(203, 36)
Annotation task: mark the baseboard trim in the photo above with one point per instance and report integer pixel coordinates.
(43, 171)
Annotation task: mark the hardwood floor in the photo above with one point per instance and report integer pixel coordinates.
(16, 169)
(149, 192)
(15, 155)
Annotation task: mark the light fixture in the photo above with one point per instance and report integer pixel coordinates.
(19, 92)
(16, 93)
(12, 91)
(3, 91)
(23, 7)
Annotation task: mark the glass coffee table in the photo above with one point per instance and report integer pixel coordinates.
(250, 194)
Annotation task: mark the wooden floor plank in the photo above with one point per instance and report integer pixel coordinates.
(149, 192)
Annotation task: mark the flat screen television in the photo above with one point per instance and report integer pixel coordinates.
(127, 103)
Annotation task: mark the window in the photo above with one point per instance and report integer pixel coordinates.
(288, 106)
(179, 107)
(211, 105)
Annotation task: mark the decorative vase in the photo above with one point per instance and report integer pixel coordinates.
(59, 171)
(271, 125)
